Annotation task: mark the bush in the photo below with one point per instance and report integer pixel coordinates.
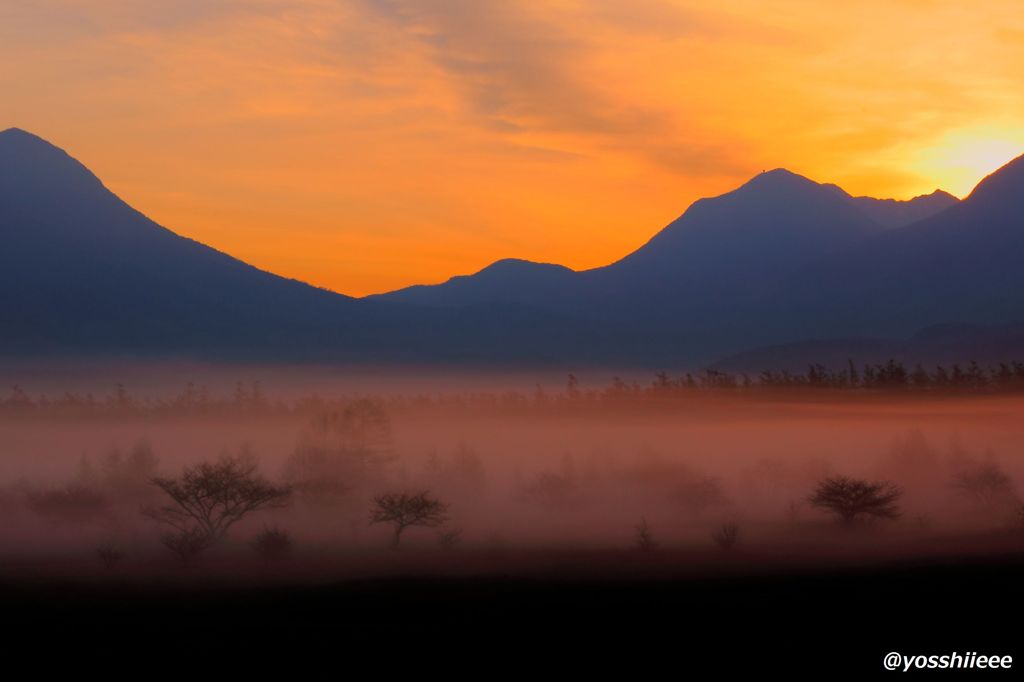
(450, 539)
(726, 536)
(273, 544)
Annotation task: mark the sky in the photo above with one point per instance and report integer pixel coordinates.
(365, 145)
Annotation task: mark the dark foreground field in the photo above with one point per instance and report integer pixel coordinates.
(810, 623)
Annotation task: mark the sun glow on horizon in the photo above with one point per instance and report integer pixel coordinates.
(963, 158)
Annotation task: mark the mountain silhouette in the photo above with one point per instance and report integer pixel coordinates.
(83, 271)
(960, 265)
(781, 260)
(719, 252)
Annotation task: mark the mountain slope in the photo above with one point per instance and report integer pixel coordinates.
(961, 265)
(719, 251)
(83, 273)
(82, 270)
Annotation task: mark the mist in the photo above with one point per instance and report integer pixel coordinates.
(540, 478)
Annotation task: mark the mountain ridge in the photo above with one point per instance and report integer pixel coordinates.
(779, 260)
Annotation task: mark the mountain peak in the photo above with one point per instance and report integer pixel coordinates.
(32, 169)
(778, 178)
(520, 265)
(16, 138)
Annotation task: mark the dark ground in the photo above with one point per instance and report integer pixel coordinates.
(814, 624)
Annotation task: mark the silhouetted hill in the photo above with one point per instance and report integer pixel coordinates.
(83, 273)
(961, 265)
(780, 260)
(506, 281)
(81, 270)
(719, 252)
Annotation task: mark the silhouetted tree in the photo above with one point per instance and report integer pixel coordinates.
(403, 510)
(213, 496)
(851, 498)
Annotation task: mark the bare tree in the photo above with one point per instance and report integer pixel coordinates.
(852, 498)
(402, 510)
(213, 496)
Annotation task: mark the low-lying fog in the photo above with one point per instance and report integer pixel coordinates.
(549, 468)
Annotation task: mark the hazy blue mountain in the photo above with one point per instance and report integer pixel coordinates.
(506, 281)
(961, 265)
(778, 261)
(720, 251)
(82, 271)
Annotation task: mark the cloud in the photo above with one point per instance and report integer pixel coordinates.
(523, 69)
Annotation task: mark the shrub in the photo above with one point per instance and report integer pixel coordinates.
(272, 544)
(726, 536)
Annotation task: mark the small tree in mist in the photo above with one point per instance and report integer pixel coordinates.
(341, 450)
(210, 497)
(403, 510)
(644, 536)
(851, 499)
(699, 493)
(726, 536)
(987, 486)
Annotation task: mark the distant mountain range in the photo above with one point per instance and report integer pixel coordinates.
(782, 260)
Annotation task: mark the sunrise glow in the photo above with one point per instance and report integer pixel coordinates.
(371, 144)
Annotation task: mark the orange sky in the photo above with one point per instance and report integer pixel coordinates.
(365, 145)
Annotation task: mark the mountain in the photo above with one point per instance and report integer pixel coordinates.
(961, 265)
(82, 273)
(782, 263)
(719, 251)
(506, 281)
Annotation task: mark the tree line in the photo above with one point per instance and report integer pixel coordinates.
(250, 398)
